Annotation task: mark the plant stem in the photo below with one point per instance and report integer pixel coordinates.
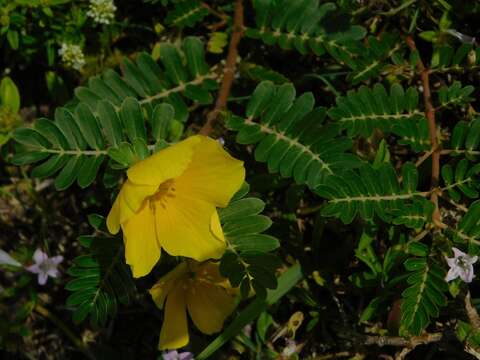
(432, 129)
(229, 70)
(394, 11)
(62, 326)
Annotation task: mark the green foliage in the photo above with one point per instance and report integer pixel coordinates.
(463, 178)
(9, 95)
(353, 188)
(100, 278)
(118, 117)
(465, 58)
(362, 111)
(303, 25)
(413, 133)
(291, 136)
(247, 262)
(425, 296)
(465, 139)
(414, 215)
(370, 192)
(186, 14)
(370, 60)
(468, 229)
(455, 94)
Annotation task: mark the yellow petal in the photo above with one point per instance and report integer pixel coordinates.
(174, 333)
(113, 218)
(212, 175)
(142, 250)
(183, 228)
(130, 198)
(210, 272)
(165, 164)
(216, 227)
(209, 306)
(162, 288)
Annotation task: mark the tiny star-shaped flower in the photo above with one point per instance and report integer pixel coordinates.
(461, 265)
(44, 266)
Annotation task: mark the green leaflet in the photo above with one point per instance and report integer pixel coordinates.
(462, 180)
(118, 117)
(364, 110)
(369, 60)
(290, 135)
(465, 139)
(247, 262)
(186, 14)
(455, 94)
(468, 229)
(424, 297)
(445, 58)
(372, 191)
(301, 25)
(100, 279)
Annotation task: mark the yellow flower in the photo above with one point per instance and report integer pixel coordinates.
(169, 201)
(199, 289)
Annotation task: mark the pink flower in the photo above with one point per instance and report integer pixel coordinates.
(44, 266)
(461, 265)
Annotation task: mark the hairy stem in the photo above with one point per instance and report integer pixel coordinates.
(432, 129)
(229, 70)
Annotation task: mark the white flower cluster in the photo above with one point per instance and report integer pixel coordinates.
(72, 56)
(102, 11)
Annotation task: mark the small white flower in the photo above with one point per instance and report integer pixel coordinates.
(6, 259)
(461, 265)
(102, 11)
(247, 330)
(72, 56)
(290, 348)
(175, 355)
(44, 266)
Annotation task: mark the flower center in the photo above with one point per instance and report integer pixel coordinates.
(166, 190)
(45, 266)
(463, 263)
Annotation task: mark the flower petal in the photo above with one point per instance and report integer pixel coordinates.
(457, 252)
(467, 275)
(452, 274)
(42, 278)
(174, 333)
(162, 288)
(451, 261)
(213, 175)
(6, 259)
(130, 198)
(34, 269)
(142, 250)
(57, 259)
(39, 256)
(165, 164)
(216, 227)
(209, 305)
(183, 228)
(53, 272)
